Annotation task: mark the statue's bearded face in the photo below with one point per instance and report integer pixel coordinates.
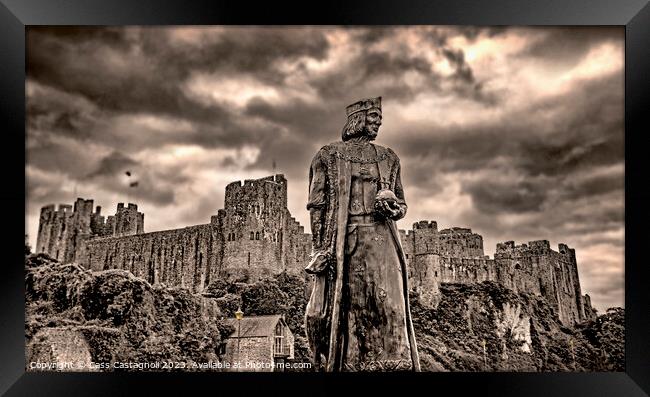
(373, 121)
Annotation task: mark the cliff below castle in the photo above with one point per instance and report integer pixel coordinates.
(488, 327)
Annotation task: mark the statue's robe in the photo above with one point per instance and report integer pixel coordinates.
(326, 315)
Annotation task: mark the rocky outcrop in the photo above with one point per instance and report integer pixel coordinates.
(487, 327)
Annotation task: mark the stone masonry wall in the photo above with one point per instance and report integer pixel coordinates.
(186, 258)
(261, 236)
(257, 350)
(533, 268)
(254, 235)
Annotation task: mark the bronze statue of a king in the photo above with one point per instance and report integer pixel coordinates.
(358, 316)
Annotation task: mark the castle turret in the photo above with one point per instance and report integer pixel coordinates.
(63, 231)
(258, 229)
(128, 221)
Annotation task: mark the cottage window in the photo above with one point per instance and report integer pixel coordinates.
(278, 347)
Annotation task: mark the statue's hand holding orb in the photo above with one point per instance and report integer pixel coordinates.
(386, 204)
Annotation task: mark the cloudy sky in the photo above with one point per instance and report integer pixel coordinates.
(514, 132)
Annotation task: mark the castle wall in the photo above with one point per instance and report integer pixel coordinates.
(253, 236)
(61, 231)
(536, 268)
(532, 268)
(456, 242)
(128, 221)
(460, 242)
(185, 258)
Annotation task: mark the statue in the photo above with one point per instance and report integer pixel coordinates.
(358, 316)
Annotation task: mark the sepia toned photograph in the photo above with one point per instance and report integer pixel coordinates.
(325, 199)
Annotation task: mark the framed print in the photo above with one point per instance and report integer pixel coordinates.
(444, 194)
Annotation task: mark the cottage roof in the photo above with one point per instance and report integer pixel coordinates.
(256, 325)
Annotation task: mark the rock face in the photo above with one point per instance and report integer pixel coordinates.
(113, 317)
(487, 327)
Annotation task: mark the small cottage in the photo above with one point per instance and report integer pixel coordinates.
(259, 343)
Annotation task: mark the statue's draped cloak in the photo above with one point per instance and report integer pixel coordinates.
(330, 181)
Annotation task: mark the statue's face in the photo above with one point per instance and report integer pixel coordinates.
(373, 121)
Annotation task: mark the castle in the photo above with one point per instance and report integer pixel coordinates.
(255, 235)
(456, 256)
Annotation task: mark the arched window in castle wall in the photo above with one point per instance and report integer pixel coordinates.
(252, 236)
(257, 235)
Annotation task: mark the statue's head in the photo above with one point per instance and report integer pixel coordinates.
(364, 119)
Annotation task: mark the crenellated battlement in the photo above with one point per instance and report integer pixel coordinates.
(455, 255)
(270, 191)
(456, 230)
(61, 230)
(536, 247)
(425, 225)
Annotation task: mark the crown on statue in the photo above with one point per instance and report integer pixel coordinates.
(363, 105)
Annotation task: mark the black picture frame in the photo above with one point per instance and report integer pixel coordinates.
(15, 15)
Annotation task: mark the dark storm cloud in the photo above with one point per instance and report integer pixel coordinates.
(494, 197)
(150, 79)
(56, 116)
(597, 185)
(587, 135)
(57, 155)
(567, 45)
(369, 65)
(114, 164)
(372, 66)
(248, 51)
